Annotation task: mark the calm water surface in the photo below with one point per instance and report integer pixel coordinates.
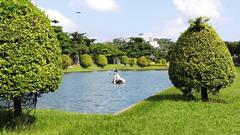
(93, 92)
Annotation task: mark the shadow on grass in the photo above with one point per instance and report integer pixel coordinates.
(171, 97)
(8, 122)
(179, 97)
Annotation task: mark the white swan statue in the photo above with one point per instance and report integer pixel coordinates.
(117, 79)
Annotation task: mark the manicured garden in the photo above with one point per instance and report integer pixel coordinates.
(115, 66)
(165, 113)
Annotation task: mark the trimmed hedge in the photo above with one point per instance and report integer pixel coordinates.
(132, 61)
(142, 62)
(124, 60)
(66, 61)
(102, 61)
(86, 61)
(201, 61)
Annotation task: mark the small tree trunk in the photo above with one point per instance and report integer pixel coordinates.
(204, 94)
(17, 107)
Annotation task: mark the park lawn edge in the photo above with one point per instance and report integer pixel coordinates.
(113, 67)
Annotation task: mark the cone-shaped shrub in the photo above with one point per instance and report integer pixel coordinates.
(201, 61)
(86, 61)
(102, 61)
(66, 61)
(30, 55)
(142, 62)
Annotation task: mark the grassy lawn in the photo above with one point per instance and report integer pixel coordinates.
(165, 113)
(114, 66)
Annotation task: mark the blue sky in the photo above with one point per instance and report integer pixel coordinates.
(108, 19)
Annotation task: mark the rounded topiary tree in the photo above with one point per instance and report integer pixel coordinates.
(124, 60)
(66, 61)
(132, 61)
(86, 61)
(142, 62)
(102, 61)
(201, 61)
(30, 55)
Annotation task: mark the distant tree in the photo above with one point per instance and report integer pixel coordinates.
(107, 49)
(233, 47)
(64, 40)
(142, 62)
(124, 60)
(137, 47)
(30, 55)
(102, 61)
(66, 61)
(86, 61)
(200, 61)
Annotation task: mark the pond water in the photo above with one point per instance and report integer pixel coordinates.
(93, 92)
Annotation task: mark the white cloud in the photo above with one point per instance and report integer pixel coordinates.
(168, 29)
(196, 8)
(67, 24)
(102, 5)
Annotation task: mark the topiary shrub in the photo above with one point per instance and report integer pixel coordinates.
(86, 61)
(163, 61)
(132, 61)
(149, 62)
(142, 62)
(30, 55)
(124, 60)
(102, 61)
(201, 61)
(66, 61)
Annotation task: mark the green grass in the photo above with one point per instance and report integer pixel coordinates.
(114, 66)
(165, 113)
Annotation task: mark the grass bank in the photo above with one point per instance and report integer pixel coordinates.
(165, 113)
(114, 66)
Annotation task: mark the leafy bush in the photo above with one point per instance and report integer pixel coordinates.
(102, 61)
(142, 62)
(132, 61)
(163, 61)
(29, 51)
(66, 61)
(124, 60)
(149, 62)
(86, 61)
(201, 61)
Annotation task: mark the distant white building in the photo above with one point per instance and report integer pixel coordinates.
(153, 42)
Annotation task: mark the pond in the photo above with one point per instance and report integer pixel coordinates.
(93, 92)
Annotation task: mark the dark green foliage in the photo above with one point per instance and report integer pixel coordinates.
(234, 47)
(124, 60)
(201, 61)
(107, 49)
(137, 47)
(142, 61)
(132, 61)
(102, 61)
(66, 61)
(64, 40)
(86, 61)
(29, 52)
